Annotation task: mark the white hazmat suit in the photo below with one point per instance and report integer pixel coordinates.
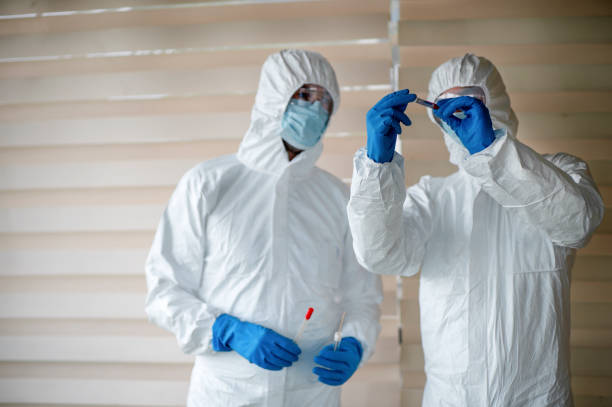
(262, 238)
(494, 242)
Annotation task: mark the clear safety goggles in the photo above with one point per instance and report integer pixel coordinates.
(472, 91)
(314, 93)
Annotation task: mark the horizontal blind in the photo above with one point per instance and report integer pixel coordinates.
(103, 106)
(556, 60)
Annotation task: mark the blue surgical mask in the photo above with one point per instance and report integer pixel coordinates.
(303, 123)
(448, 130)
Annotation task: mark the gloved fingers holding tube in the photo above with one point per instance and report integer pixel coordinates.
(383, 124)
(258, 344)
(469, 119)
(337, 366)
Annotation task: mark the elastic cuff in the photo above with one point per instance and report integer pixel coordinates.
(218, 327)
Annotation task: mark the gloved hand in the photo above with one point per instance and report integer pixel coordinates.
(476, 130)
(340, 365)
(383, 124)
(257, 344)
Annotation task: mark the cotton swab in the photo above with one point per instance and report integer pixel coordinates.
(338, 333)
(301, 331)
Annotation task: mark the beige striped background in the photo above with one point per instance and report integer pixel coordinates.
(104, 104)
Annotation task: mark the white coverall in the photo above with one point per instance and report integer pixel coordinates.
(494, 242)
(261, 238)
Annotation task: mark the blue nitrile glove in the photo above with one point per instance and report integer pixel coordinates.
(383, 124)
(257, 344)
(476, 130)
(340, 365)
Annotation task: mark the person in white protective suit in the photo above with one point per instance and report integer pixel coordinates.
(250, 241)
(494, 241)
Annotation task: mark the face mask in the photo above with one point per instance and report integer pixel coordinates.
(448, 130)
(303, 123)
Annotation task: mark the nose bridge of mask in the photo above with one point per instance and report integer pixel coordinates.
(307, 108)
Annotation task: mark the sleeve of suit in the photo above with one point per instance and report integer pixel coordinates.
(390, 225)
(553, 192)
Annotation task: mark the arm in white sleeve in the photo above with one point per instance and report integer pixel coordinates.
(555, 193)
(361, 298)
(174, 269)
(390, 225)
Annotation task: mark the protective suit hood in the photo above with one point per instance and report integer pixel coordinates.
(472, 70)
(281, 75)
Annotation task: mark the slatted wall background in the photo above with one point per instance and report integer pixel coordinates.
(556, 60)
(103, 105)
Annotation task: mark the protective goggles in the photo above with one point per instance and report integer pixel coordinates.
(472, 91)
(313, 94)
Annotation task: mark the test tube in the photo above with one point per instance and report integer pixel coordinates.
(426, 103)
